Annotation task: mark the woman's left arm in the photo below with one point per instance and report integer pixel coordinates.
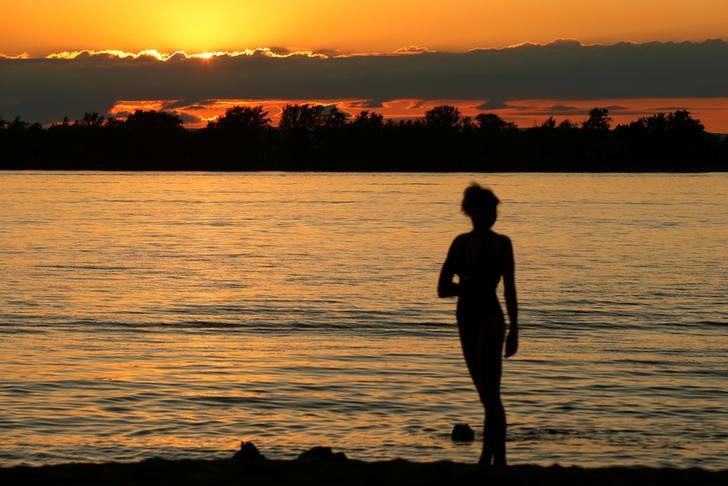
(509, 289)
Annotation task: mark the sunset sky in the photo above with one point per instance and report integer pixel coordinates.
(35, 29)
(40, 27)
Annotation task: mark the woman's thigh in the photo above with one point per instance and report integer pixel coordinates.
(482, 342)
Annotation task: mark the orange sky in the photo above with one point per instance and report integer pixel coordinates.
(525, 113)
(40, 27)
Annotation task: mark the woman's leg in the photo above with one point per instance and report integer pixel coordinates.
(489, 376)
(482, 343)
(469, 340)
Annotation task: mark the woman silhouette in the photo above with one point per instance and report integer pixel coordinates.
(480, 258)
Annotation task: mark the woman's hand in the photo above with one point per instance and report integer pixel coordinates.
(511, 344)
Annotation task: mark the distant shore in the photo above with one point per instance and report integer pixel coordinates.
(319, 139)
(349, 473)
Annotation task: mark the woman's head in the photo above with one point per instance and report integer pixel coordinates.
(481, 205)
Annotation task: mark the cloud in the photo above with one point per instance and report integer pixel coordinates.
(665, 109)
(366, 104)
(412, 50)
(170, 105)
(49, 89)
(154, 54)
(493, 105)
(23, 55)
(565, 110)
(559, 44)
(562, 109)
(616, 108)
(552, 110)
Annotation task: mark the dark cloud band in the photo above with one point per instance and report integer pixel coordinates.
(48, 89)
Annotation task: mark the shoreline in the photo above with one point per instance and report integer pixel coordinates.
(337, 470)
(658, 170)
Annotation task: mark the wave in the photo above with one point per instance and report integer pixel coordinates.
(258, 327)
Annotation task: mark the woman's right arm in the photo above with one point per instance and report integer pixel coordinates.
(446, 287)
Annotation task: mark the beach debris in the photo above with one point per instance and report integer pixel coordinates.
(248, 453)
(462, 433)
(322, 454)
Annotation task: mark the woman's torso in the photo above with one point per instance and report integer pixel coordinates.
(479, 266)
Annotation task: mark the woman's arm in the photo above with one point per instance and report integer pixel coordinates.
(509, 289)
(445, 285)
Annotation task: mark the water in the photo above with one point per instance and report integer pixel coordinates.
(174, 315)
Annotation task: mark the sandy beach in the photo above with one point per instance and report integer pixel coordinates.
(336, 469)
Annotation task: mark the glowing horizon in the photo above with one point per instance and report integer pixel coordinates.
(525, 113)
(283, 53)
(43, 27)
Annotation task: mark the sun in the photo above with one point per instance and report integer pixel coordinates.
(203, 30)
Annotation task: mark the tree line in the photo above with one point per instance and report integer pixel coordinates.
(316, 137)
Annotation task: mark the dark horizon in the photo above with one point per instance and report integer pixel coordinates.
(324, 138)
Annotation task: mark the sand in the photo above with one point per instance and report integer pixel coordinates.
(347, 473)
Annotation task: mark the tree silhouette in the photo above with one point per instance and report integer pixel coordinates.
(241, 118)
(333, 117)
(90, 120)
(368, 120)
(154, 121)
(316, 137)
(492, 123)
(238, 135)
(467, 123)
(666, 138)
(444, 116)
(599, 120)
(568, 125)
(18, 124)
(302, 117)
(548, 124)
(681, 122)
(112, 122)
